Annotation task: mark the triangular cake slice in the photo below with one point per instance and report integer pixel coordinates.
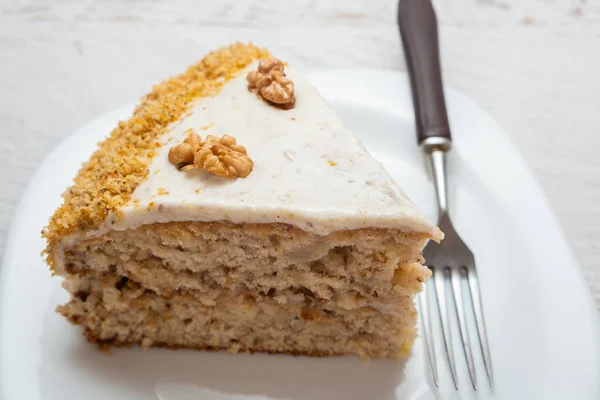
(234, 210)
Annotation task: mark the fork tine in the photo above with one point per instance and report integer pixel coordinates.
(440, 290)
(462, 321)
(426, 319)
(480, 322)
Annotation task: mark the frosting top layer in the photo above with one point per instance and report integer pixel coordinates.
(309, 171)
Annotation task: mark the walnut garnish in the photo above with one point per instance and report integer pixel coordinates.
(222, 157)
(272, 84)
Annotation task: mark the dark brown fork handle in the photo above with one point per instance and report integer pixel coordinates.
(418, 29)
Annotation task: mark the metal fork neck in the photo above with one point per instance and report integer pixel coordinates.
(436, 155)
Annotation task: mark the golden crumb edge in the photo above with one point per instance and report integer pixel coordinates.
(120, 164)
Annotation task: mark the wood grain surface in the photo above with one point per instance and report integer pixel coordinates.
(533, 64)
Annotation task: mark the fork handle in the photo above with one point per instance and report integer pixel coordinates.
(418, 29)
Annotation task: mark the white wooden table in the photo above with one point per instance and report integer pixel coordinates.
(533, 64)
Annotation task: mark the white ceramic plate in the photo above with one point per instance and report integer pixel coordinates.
(543, 328)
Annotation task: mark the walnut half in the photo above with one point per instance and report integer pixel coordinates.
(222, 157)
(271, 83)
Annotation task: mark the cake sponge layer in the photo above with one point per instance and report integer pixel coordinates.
(117, 313)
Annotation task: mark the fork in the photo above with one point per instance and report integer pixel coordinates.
(452, 262)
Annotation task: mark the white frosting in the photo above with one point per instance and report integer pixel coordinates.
(309, 171)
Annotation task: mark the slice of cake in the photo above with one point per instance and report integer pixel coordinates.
(234, 210)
